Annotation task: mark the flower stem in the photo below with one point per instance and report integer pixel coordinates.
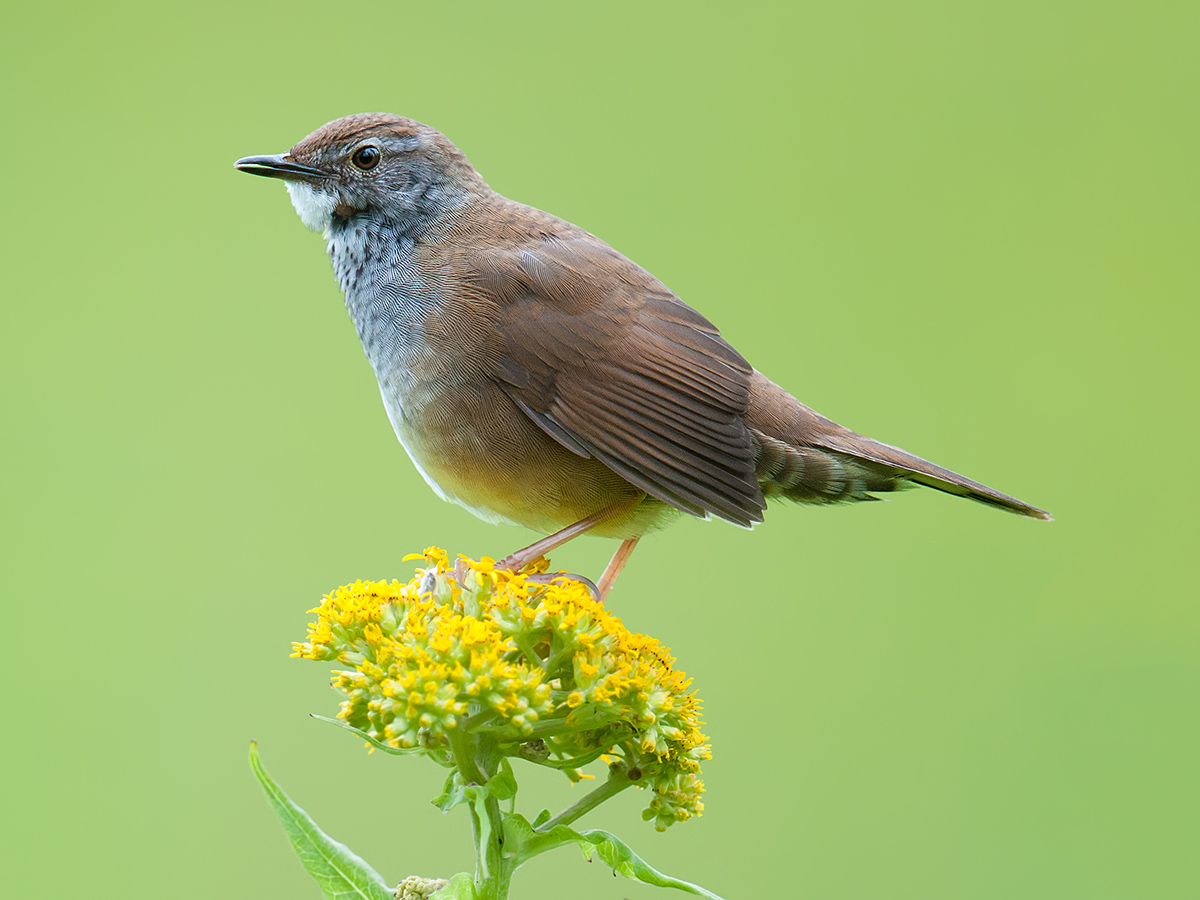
(526, 648)
(558, 726)
(618, 779)
(464, 758)
(476, 758)
(493, 870)
(476, 719)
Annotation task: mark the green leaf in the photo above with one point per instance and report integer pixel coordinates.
(461, 887)
(340, 872)
(454, 792)
(520, 840)
(524, 843)
(446, 800)
(378, 745)
(617, 854)
(503, 785)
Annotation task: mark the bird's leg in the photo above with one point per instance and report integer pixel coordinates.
(515, 562)
(614, 567)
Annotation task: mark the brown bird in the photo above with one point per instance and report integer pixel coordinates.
(537, 376)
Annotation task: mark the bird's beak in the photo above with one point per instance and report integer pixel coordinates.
(280, 166)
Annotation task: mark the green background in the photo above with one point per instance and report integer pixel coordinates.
(967, 229)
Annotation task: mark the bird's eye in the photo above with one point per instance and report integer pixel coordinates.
(366, 157)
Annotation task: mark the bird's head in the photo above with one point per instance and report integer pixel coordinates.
(373, 164)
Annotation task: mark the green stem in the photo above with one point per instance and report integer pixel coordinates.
(575, 762)
(477, 759)
(473, 721)
(526, 648)
(558, 725)
(489, 756)
(493, 870)
(556, 661)
(471, 605)
(460, 743)
(618, 780)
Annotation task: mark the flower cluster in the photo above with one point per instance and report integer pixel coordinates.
(419, 661)
(535, 663)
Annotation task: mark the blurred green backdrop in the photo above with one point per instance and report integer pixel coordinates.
(968, 229)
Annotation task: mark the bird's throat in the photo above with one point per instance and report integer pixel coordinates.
(314, 207)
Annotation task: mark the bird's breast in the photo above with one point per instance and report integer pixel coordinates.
(429, 342)
(430, 389)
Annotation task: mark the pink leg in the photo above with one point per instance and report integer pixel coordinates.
(514, 562)
(615, 565)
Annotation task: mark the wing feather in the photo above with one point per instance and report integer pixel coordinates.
(614, 366)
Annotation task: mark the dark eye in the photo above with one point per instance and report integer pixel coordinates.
(366, 157)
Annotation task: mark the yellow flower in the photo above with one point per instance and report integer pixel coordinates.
(519, 658)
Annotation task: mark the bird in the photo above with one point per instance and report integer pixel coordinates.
(535, 375)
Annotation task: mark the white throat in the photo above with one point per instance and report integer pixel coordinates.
(314, 207)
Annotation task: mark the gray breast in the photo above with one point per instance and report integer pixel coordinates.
(388, 300)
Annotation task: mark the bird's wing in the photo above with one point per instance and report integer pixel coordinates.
(612, 365)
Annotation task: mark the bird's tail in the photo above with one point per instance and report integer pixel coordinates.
(809, 458)
(885, 460)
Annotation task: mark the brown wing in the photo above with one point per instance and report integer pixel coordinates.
(612, 365)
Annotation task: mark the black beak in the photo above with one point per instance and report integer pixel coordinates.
(279, 167)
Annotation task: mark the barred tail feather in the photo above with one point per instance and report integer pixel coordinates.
(806, 457)
(887, 459)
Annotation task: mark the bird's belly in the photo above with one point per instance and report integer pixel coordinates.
(476, 448)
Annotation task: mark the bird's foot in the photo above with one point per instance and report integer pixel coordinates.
(551, 577)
